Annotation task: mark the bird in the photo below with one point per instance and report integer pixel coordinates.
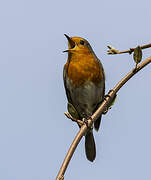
(84, 82)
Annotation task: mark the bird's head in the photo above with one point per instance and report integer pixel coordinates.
(78, 45)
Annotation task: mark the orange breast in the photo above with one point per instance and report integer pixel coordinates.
(82, 68)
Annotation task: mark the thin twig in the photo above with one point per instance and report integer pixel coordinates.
(68, 115)
(108, 99)
(113, 51)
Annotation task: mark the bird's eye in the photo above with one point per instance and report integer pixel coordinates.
(82, 42)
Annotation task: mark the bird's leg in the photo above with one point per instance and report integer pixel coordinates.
(85, 120)
(111, 104)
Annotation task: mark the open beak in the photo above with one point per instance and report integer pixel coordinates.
(71, 43)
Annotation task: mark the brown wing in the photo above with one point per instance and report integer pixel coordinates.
(98, 121)
(71, 108)
(66, 84)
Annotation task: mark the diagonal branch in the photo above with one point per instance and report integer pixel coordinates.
(108, 99)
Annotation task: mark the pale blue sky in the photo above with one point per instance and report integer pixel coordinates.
(34, 133)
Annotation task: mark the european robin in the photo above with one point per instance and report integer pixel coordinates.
(84, 82)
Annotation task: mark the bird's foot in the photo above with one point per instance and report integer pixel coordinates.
(85, 120)
(111, 104)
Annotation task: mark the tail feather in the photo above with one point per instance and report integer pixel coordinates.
(97, 123)
(90, 146)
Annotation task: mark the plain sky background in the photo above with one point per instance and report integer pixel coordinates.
(34, 133)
